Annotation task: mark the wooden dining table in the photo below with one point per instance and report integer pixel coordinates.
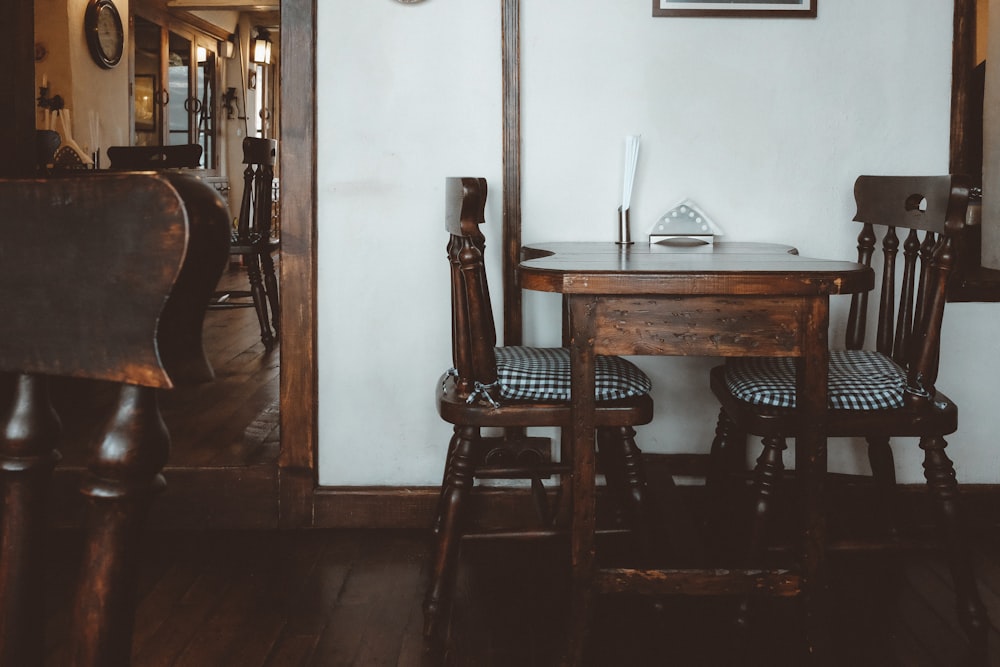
(726, 299)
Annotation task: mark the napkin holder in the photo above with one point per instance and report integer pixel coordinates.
(684, 224)
(624, 232)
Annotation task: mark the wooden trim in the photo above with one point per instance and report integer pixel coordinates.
(511, 63)
(178, 19)
(970, 281)
(18, 80)
(963, 57)
(412, 508)
(298, 385)
(242, 497)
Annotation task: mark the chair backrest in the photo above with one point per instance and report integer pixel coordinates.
(933, 210)
(108, 276)
(473, 328)
(254, 221)
(138, 158)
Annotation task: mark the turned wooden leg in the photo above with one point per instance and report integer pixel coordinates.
(626, 477)
(271, 288)
(123, 478)
(459, 480)
(726, 463)
(612, 461)
(259, 297)
(27, 457)
(767, 476)
(940, 475)
(884, 475)
(728, 454)
(442, 496)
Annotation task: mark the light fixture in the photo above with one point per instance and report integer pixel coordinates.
(227, 47)
(261, 52)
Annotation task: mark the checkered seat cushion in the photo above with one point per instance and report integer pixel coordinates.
(857, 380)
(543, 374)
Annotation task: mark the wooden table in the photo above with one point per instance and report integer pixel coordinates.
(722, 300)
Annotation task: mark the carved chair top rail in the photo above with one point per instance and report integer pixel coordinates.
(155, 157)
(107, 276)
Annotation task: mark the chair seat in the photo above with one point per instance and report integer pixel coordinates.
(856, 380)
(543, 374)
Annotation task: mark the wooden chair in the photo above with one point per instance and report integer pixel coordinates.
(514, 388)
(139, 158)
(887, 392)
(254, 240)
(90, 289)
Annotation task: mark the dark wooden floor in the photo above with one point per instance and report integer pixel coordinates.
(324, 598)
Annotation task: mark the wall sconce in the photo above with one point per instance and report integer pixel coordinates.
(227, 47)
(229, 102)
(261, 51)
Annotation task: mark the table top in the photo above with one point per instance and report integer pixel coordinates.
(722, 268)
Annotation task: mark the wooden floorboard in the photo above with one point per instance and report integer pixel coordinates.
(327, 598)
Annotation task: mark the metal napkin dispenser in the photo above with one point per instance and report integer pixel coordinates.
(685, 223)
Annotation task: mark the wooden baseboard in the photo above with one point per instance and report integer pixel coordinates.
(264, 497)
(218, 498)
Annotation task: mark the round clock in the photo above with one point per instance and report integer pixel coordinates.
(105, 34)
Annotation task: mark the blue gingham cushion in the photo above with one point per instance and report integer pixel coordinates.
(857, 380)
(543, 374)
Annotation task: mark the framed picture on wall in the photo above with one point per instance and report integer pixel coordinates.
(744, 8)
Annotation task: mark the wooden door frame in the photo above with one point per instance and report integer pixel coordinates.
(297, 474)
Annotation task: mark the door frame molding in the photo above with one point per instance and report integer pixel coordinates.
(297, 475)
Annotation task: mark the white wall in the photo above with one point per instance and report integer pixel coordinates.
(97, 98)
(765, 123)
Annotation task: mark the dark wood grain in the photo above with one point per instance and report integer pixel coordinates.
(628, 302)
(908, 330)
(131, 321)
(18, 79)
(299, 392)
(511, 240)
(469, 398)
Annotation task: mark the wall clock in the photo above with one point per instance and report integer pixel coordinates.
(105, 33)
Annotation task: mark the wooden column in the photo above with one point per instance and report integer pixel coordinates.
(17, 79)
(511, 56)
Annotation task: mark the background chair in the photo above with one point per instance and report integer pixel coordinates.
(134, 318)
(254, 239)
(139, 158)
(877, 394)
(514, 387)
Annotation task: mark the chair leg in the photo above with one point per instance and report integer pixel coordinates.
(458, 483)
(271, 289)
(727, 460)
(767, 476)
(728, 452)
(884, 475)
(941, 481)
(626, 477)
(442, 496)
(259, 298)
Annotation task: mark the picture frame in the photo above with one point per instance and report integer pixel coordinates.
(145, 104)
(736, 8)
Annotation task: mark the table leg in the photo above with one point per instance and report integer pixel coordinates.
(123, 478)
(581, 450)
(811, 461)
